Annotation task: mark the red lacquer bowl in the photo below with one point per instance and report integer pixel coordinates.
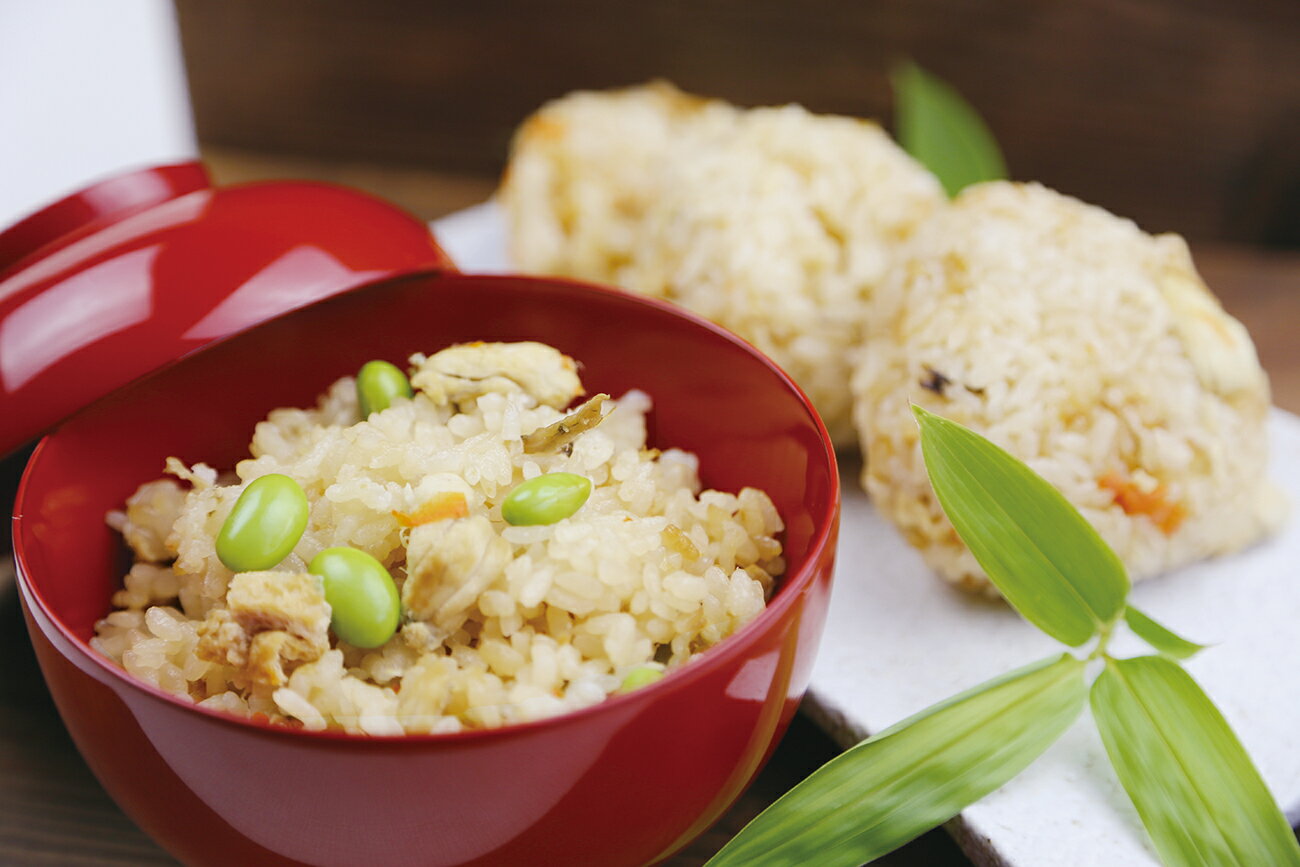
(628, 781)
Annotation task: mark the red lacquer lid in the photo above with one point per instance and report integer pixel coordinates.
(131, 273)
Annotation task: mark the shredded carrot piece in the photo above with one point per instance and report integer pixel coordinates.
(1155, 504)
(449, 504)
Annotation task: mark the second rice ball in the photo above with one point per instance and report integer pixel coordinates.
(1088, 349)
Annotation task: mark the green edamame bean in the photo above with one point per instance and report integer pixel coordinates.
(545, 499)
(642, 675)
(265, 524)
(363, 599)
(378, 385)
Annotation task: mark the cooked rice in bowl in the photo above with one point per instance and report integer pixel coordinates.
(501, 623)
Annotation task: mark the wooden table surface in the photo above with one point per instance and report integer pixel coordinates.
(52, 811)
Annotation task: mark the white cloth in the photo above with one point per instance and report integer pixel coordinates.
(87, 89)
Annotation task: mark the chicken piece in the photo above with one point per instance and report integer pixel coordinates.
(466, 371)
(560, 434)
(272, 622)
(448, 564)
(150, 513)
(1218, 346)
(292, 602)
(270, 652)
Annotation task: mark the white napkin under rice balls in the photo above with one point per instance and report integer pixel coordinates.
(774, 222)
(1088, 349)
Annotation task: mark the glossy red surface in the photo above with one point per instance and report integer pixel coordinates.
(111, 198)
(625, 782)
(127, 290)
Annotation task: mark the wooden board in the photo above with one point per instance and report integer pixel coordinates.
(898, 639)
(1179, 115)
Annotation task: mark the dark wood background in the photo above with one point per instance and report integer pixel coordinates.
(1182, 114)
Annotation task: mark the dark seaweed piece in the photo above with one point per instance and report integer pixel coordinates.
(935, 381)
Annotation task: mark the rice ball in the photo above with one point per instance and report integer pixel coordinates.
(584, 168)
(1089, 350)
(774, 222)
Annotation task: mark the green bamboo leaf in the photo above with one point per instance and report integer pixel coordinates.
(917, 774)
(939, 128)
(1047, 561)
(1199, 796)
(1161, 638)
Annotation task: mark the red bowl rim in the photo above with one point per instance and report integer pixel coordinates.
(790, 586)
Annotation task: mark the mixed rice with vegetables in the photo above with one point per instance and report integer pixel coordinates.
(468, 552)
(1087, 348)
(776, 223)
